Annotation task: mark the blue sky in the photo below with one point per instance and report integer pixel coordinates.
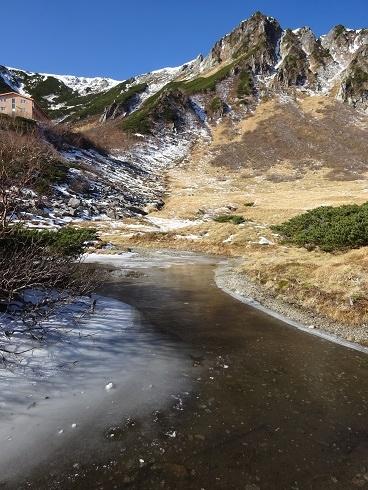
(120, 38)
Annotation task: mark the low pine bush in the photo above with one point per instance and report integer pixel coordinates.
(328, 228)
(68, 242)
(230, 218)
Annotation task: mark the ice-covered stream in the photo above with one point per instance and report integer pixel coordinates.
(109, 367)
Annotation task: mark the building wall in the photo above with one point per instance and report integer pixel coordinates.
(16, 105)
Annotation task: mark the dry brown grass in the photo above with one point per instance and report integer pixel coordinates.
(278, 182)
(110, 135)
(334, 286)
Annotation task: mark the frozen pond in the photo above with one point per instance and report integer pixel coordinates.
(207, 392)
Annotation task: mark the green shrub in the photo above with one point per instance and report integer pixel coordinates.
(230, 218)
(249, 204)
(65, 241)
(245, 85)
(216, 104)
(70, 241)
(205, 84)
(329, 228)
(50, 175)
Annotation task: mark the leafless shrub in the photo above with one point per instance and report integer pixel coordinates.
(39, 274)
(24, 158)
(62, 136)
(36, 283)
(110, 136)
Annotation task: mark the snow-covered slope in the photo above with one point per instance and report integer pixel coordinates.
(85, 85)
(79, 84)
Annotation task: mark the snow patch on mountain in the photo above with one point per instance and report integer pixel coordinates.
(157, 79)
(86, 85)
(81, 85)
(10, 79)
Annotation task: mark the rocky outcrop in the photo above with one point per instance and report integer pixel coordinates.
(294, 69)
(255, 39)
(118, 109)
(354, 88)
(343, 43)
(173, 109)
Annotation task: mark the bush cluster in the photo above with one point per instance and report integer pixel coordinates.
(245, 84)
(42, 260)
(230, 218)
(216, 104)
(67, 241)
(328, 228)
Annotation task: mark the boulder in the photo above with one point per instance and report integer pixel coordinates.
(232, 207)
(264, 241)
(74, 202)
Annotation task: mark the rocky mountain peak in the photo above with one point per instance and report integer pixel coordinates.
(259, 35)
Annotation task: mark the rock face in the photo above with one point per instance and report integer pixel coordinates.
(354, 87)
(74, 202)
(293, 69)
(256, 38)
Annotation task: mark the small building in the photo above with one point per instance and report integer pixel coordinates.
(14, 104)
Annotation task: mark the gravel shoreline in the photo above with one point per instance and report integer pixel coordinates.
(239, 286)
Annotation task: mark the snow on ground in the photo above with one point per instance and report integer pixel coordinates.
(72, 333)
(120, 183)
(86, 85)
(172, 224)
(188, 237)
